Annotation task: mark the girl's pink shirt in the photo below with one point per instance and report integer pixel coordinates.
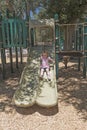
(45, 62)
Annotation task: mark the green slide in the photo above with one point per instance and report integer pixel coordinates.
(31, 89)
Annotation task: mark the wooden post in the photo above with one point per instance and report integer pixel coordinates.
(21, 59)
(3, 63)
(77, 39)
(3, 58)
(16, 50)
(11, 60)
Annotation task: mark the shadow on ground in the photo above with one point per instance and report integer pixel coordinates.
(8, 86)
(72, 89)
(35, 108)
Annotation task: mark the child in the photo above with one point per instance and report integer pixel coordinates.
(44, 66)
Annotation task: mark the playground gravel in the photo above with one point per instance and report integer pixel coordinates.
(69, 114)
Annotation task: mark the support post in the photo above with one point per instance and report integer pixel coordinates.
(85, 52)
(77, 40)
(3, 58)
(3, 63)
(79, 45)
(11, 60)
(56, 44)
(32, 36)
(16, 51)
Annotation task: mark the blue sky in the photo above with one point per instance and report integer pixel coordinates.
(31, 13)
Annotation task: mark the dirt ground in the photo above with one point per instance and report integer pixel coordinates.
(69, 114)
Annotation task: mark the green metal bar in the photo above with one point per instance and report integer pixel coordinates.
(84, 69)
(13, 26)
(3, 33)
(0, 35)
(85, 52)
(8, 33)
(24, 34)
(15, 32)
(56, 64)
(56, 44)
(20, 33)
(11, 31)
(27, 33)
(32, 37)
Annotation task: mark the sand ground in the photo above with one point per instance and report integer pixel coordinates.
(69, 114)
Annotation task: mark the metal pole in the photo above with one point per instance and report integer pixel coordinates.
(80, 42)
(56, 44)
(85, 52)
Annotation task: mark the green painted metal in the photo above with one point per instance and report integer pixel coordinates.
(79, 46)
(56, 44)
(0, 36)
(85, 52)
(79, 38)
(14, 33)
(32, 36)
(61, 38)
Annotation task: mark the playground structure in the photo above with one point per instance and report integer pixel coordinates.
(31, 90)
(41, 32)
(71, 40)
(15, 33)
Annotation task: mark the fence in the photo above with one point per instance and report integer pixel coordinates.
(13, 36)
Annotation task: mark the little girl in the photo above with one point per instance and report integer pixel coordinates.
(44, 66)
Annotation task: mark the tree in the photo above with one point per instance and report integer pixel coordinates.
(68, 10)
(18, 6)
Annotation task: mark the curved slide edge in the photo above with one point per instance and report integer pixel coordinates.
(26, 93)
(47, 93)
